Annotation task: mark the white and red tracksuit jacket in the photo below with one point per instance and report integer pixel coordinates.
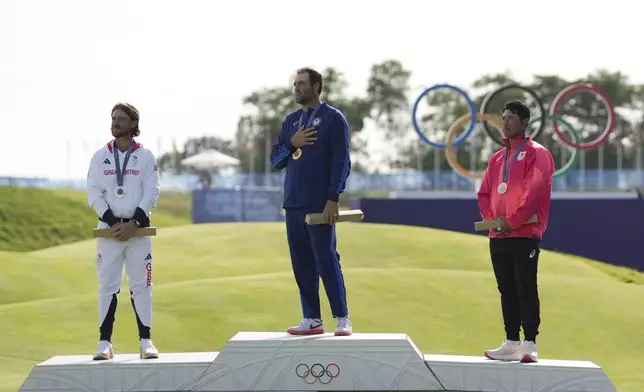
(140, 183)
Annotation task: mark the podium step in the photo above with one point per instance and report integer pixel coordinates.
(265, 361)
(462, 373)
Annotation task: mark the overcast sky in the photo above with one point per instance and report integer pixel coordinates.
(187, 64)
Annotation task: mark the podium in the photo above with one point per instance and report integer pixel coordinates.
(267, 361)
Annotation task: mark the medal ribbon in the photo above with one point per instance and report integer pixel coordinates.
(506, 169)
(119, 173)
(300, 122)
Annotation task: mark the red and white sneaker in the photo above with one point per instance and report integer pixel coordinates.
(344, 326)
(308, 326)
(509, 351)
(104, 351)
(529, 352)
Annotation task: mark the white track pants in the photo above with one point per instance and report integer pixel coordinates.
(135, 257)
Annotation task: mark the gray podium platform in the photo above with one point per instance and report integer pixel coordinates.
(265, 361)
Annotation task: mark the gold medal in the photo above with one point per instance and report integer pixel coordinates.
(297, 154)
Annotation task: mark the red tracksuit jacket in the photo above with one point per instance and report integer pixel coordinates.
(529, 187)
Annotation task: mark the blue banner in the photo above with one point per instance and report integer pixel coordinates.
(237, 205)
(603, 229)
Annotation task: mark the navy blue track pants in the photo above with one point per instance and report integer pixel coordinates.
(314, 256)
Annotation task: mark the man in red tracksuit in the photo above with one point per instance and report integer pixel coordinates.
(517, 185)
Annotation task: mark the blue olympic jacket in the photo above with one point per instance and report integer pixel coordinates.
(318, 172)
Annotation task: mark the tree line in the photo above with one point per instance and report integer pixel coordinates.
(386, 105)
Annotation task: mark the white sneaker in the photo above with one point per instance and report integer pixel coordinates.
(104, 351)
(308, 326)
(344, 326)
(148, 350)
(509, 351)
(529, 352)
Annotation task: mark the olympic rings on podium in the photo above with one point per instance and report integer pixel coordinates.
(470, 104)
(449, 150)
(531, 92)
(317, 372)
(610, 124)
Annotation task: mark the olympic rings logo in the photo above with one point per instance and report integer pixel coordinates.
(572, 143)
(317, 373)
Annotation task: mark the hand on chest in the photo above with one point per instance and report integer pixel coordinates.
(320, 144)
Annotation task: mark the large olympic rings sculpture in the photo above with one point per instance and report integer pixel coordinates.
(573, 143)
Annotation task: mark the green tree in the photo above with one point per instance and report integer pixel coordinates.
(387, 92)
(386, 103)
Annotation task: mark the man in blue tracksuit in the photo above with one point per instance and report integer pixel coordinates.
(313, 146)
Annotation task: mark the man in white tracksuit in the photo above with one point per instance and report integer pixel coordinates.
(123, 187)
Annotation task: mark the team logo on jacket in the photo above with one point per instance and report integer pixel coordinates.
(316, 121)
(521, 156)
(297, 154)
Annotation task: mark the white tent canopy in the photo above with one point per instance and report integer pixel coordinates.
(209, 160)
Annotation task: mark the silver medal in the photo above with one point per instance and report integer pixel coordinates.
(120, 192)
(502, 188)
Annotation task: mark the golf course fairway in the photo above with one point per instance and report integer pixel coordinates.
(212, 281)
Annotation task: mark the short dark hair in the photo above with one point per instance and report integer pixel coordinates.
(314, 77)
(131, 112)
(517, 107)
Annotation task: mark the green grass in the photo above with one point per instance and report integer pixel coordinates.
(33, 219)
(212, 281)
